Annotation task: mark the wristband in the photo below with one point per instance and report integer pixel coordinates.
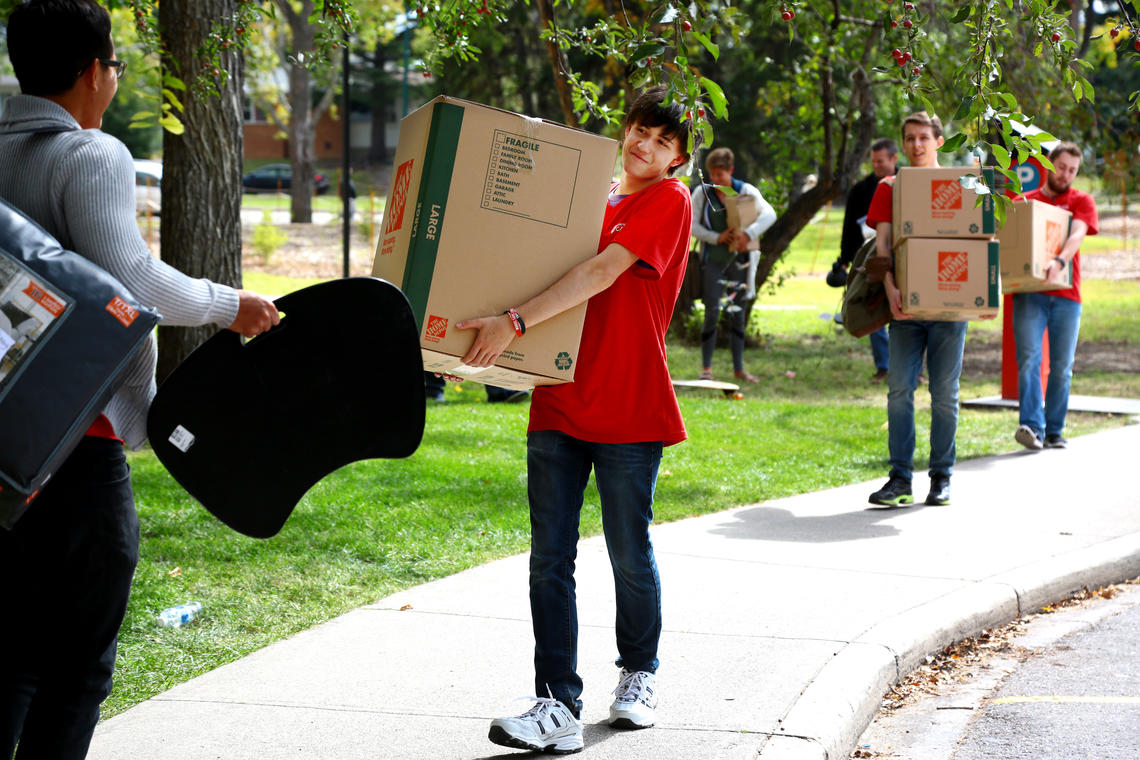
(516, 322)
(1061, 261)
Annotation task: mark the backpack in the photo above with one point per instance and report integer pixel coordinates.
(865, 307)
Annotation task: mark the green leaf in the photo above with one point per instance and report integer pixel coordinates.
(172, 82)
(1002, 155)
(962, 14)
(716, 97)
(953, 144)
(647, 50)
(709, 45)
(172, 124)
(172, 99)
(999, 215)
(706, 133)
(963, 111)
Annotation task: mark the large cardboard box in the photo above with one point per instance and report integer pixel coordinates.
(1032, 236)
(487, 209)
(930, 203)
(951, 279)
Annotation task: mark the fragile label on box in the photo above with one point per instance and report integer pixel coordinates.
(515, 186)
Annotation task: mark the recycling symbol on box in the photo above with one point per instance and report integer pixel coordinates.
(563, 360)
(979, 301)
(973, 228)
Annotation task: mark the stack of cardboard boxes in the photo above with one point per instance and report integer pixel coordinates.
(946, 258)
(487, 209)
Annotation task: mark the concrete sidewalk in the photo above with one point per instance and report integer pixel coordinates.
(785, 624)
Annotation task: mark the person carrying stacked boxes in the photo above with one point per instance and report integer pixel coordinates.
(941, 335)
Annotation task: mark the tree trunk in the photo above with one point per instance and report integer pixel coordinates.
(380, 92)
(201, 209)
(558, 64)
(302, 126)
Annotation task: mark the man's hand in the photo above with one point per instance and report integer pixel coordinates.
(256, 314)
(894, 298)
(725, 238)
(495, 334)
(742, 240)
(1053, 271)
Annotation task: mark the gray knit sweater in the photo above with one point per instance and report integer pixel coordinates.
(78, 184)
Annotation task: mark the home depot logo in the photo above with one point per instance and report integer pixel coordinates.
(45, 299)
(436, 329)
(945, 198)
(1054, 238)
(399, 199)
(122, 311)
(953, 268)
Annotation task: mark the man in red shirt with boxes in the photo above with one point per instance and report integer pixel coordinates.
(942, 342)
(1041, 423)
(614, 418)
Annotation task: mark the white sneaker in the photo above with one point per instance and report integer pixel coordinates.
(635, 703)
(1028, 438)
(549, 726)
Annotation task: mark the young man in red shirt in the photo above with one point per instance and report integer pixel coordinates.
(1041, 423)
(615, 418)
(941, 342)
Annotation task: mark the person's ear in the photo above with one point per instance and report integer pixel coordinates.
(941, 140)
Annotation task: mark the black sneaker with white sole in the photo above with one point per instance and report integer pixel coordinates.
(1055, 441)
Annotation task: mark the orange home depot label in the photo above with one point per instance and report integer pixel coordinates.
(399, 200)
(122, 311)
(1054, 238)
(388, 245)
(945, 198)
(50, 303)
(953, 268)
(436, 329)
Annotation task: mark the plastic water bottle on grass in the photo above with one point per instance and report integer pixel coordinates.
(176, 617)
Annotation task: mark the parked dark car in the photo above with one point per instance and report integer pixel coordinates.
(268, 178)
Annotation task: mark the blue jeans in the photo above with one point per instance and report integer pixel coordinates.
(880, 348)
(942, 342)
(558, 467)
(1032, 313)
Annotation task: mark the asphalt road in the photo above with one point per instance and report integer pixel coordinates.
(1068, 689)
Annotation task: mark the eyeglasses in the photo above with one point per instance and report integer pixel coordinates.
(120, 67)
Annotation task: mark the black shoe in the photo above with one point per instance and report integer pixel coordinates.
(1055, 441)
(879, 377)
(895, 493)
(939, 495)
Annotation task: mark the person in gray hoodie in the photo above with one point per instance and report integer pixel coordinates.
(67, 564)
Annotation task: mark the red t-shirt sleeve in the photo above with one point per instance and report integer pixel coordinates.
(1084, 208)
(653, 237)
(881, 209)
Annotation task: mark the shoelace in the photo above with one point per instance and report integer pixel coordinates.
(630, 687)
(542, 706)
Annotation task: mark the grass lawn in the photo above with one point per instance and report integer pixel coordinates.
(378, 526)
